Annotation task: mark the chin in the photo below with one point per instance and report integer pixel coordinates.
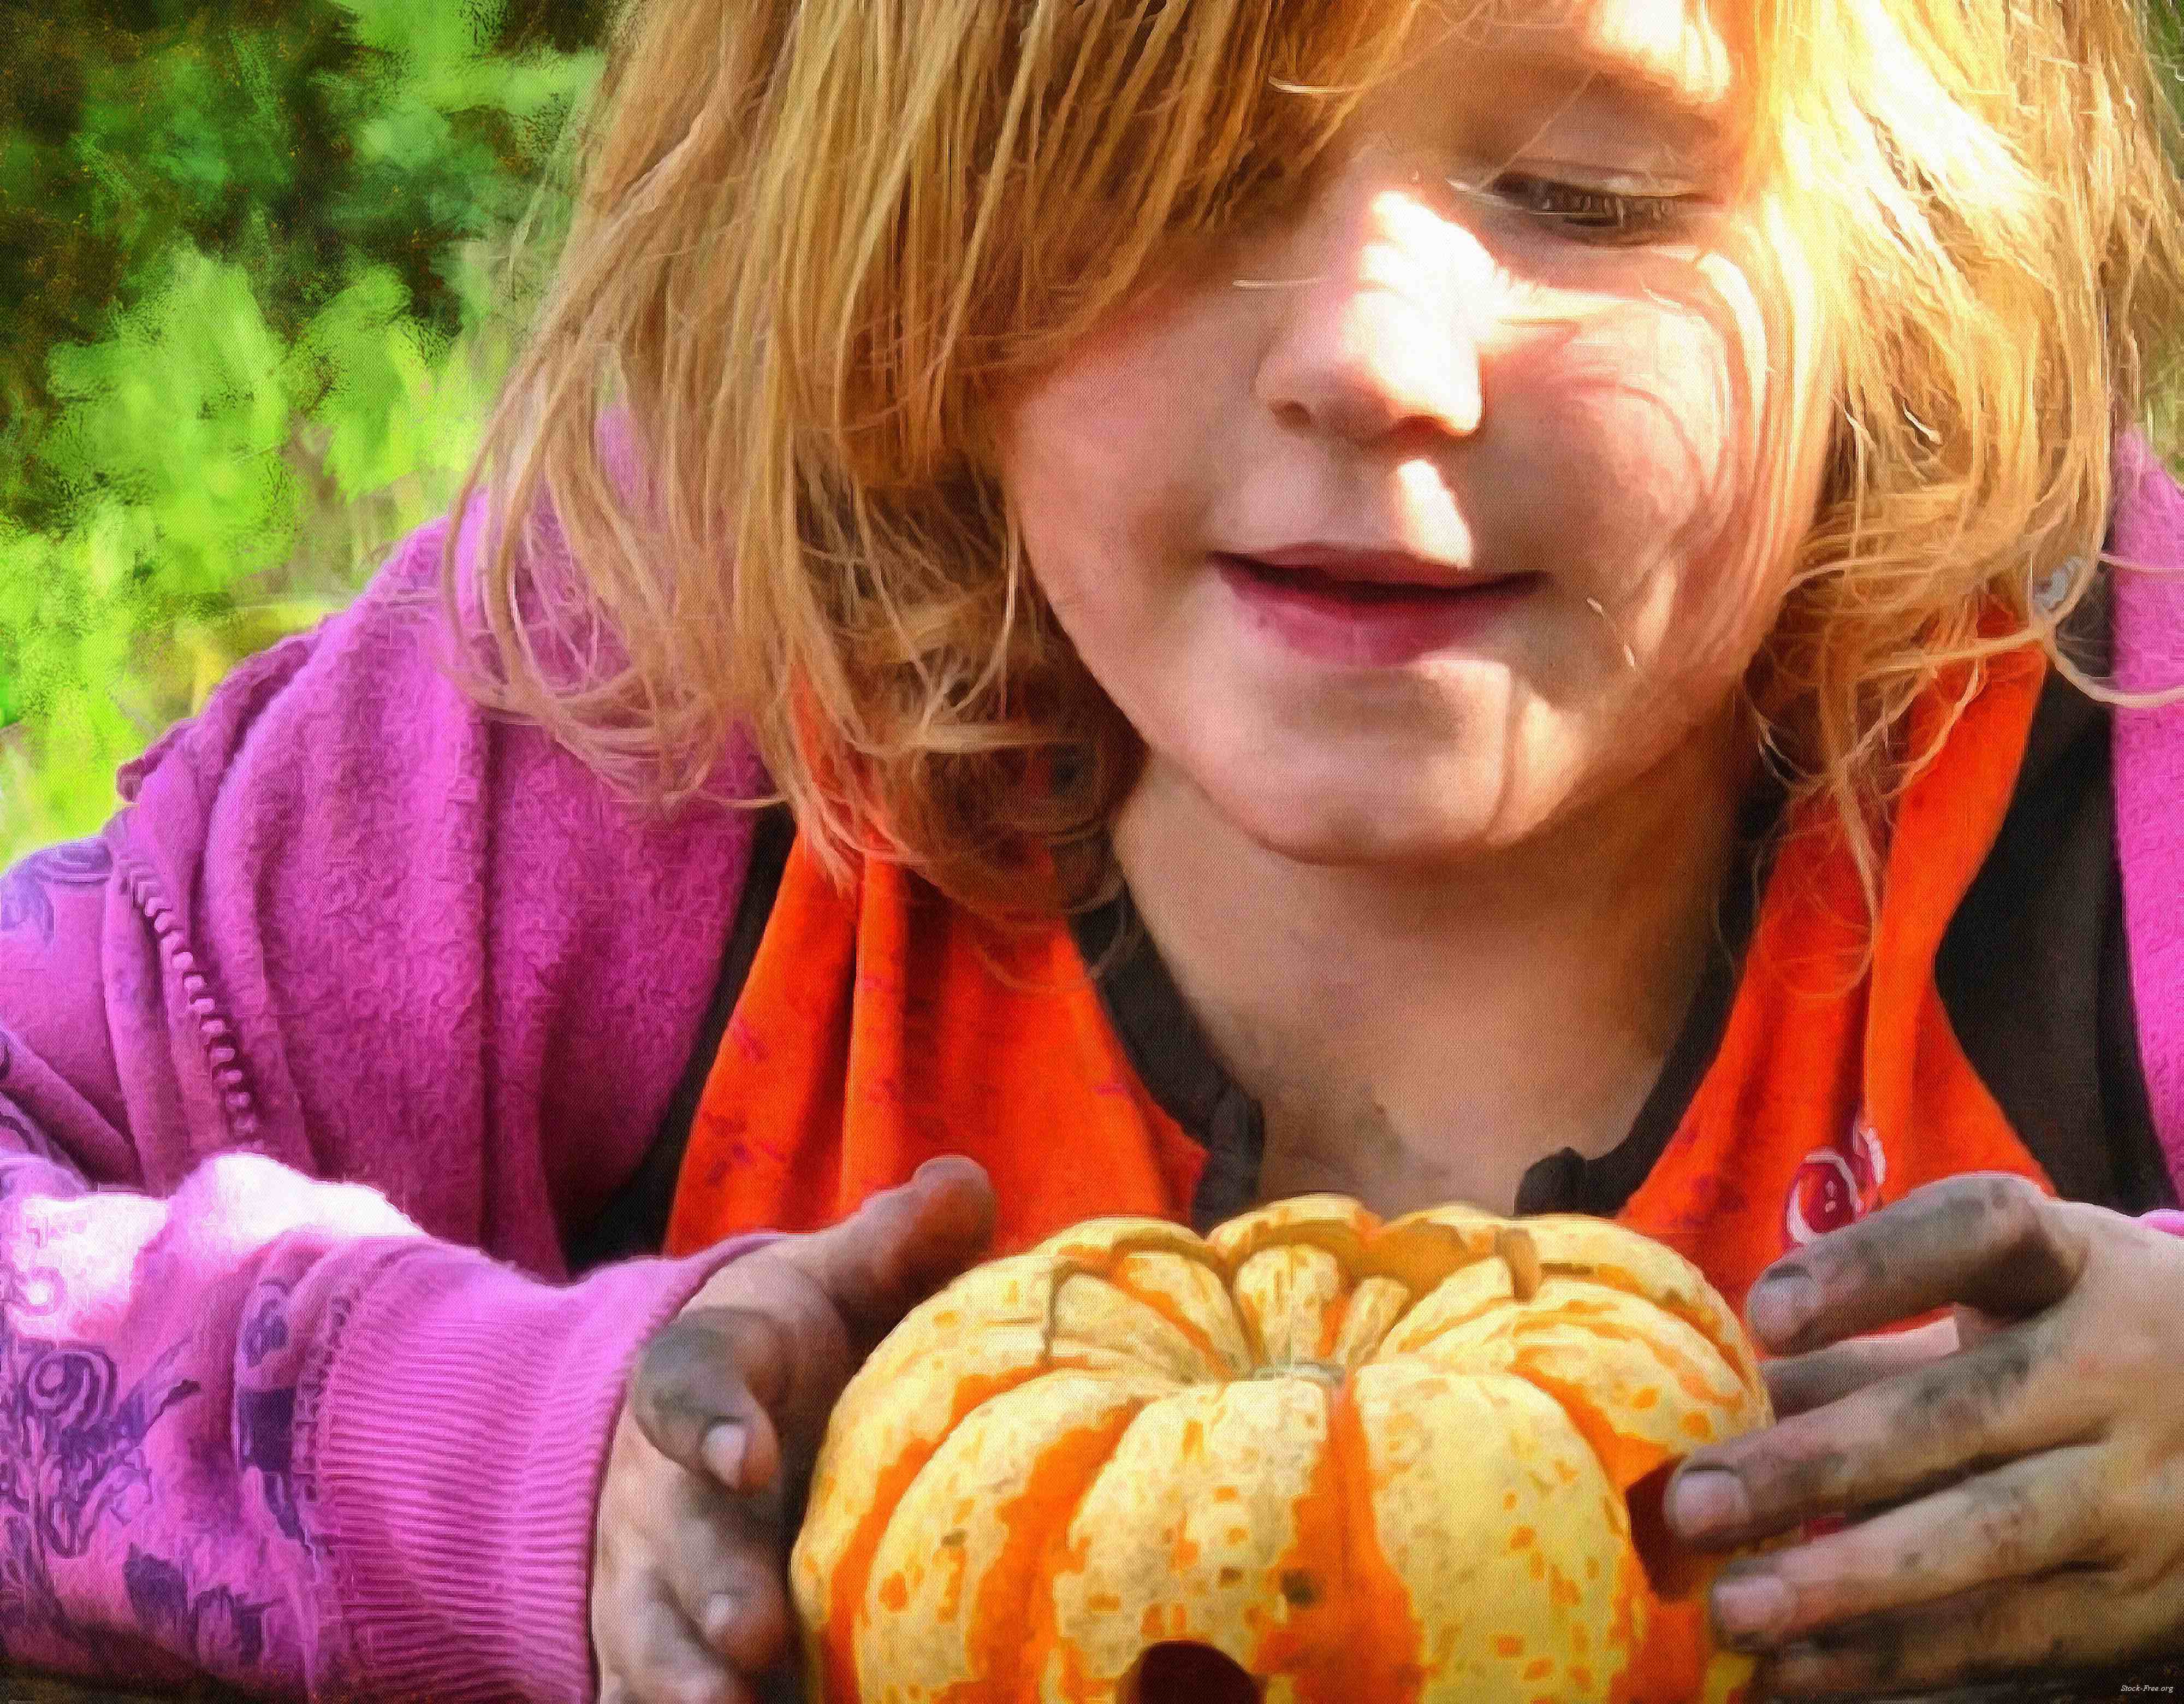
(1363, 834)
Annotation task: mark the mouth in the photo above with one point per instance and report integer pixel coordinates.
(1367, 576)
(1370, 609)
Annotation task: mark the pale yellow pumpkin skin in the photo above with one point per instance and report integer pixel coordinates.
(1372, 1464)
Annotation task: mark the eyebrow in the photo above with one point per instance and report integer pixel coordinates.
(1638, 86)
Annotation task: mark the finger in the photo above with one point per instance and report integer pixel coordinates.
(1797, 1383)
(2076, 1619)
(2026, 1518)
(649, 1654)
(901, 1245)
(701, 1390)
(748, 1620)
(1988, 1240)
(720, 1570)
(1891, 1440)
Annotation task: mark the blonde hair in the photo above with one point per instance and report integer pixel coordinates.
(814, 238)
(1995, 187)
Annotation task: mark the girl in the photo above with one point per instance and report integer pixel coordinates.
(1509, 576)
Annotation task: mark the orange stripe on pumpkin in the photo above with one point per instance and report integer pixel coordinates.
(853, 1572)
(1021, 1633)
(1351, 1632)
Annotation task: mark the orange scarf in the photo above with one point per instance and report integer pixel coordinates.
(883, 1025)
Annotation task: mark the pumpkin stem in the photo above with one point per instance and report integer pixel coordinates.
(1513, 1244)
(1327, 1373)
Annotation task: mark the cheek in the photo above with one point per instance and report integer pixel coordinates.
(1083, 557)
(1654, 411)
(1113, 418)
(1049, 461)
(1047, 469)
(1659, 408)
(1097, 463)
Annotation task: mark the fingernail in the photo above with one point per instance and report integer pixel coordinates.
(723, 1450)
(1706, 1500)
(1778, 1307)
(720, 1612)
(1752, 1606)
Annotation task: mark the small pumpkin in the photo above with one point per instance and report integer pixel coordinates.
(1343, 1461)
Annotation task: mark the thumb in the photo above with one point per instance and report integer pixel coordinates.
(901, 1245)
(693, 1394)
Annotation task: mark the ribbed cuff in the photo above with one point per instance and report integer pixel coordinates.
(460, 1440)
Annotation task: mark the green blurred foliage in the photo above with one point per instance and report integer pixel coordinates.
(250, 258)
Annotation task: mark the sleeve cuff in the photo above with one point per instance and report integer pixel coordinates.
(463, 1421)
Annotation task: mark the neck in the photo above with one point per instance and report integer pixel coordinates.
(1421, 1036)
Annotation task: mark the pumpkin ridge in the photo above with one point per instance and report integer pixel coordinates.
(1199, 1338)
(1318, 1519)
(1312, 1218)
(1212, 1368)
(1387, 1251)
(1669, 1641)
(1623, 1462)
(1038, 1613)
(1688, 1377)
(1361, 1603)
(1453, 1322)
(1081, 1244)
(1703, 1320)
(1050, 1324)
(1378, 1599)
(853, 1570)
(1352, 1355)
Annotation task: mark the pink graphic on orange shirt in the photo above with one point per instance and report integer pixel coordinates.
(1835, 1186)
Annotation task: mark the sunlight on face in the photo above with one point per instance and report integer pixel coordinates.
(1457, 500)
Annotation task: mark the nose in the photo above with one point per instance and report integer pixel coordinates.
(1375, 334)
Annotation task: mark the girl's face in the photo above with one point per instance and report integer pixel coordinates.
(1438, 510)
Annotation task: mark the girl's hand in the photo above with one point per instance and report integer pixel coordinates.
(725, 1410)
(2014, 1474)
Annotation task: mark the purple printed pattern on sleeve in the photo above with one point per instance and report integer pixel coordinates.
(266, 1402)
(240, 1437)
(26, 891)
(133, 1542)
(346, 927)
(73, 1440)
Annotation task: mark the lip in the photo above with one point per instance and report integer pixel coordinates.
(1369, 566)
(1369, 609)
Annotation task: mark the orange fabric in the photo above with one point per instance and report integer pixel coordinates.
(884, 1025)
(1832, 1093)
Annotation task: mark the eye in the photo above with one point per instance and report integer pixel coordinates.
(1603, 216)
